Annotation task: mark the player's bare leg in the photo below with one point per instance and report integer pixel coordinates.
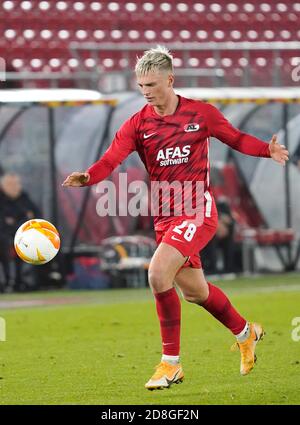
(192, 284)
(195, 289)
(164, 266)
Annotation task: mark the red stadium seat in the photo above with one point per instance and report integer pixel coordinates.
(45, 29)
(245, 211)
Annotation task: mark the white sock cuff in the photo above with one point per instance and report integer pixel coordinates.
(170, 359)
(243, 331)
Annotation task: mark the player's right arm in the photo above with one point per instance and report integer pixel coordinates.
(77, 179)
(123, 144)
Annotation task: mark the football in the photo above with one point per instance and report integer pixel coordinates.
(37, 241)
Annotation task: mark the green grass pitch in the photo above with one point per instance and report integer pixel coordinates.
(102, 346)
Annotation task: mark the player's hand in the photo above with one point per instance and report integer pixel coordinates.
(279, 153)
(76, 179)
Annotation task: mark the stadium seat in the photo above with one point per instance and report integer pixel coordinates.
(251, 229)
(45, 29)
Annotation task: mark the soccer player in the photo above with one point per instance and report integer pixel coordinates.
(171, 135)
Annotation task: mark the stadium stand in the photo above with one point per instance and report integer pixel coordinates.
(251, 228)
(38, 36)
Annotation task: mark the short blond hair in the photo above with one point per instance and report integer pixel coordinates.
(155, 59)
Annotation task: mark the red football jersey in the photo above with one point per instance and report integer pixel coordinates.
(175, 148)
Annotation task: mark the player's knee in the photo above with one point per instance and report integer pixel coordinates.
(198, 298)
(157, 280)
(191, 299)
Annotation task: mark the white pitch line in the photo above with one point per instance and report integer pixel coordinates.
(266, 289)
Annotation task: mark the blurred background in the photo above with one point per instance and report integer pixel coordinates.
(94, 44)
(67, 84)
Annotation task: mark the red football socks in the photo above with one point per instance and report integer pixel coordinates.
(169, 313)
(220, 307)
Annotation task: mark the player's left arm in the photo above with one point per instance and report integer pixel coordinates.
(278, 153)
(222, 129)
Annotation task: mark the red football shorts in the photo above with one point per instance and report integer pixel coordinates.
(188, 238)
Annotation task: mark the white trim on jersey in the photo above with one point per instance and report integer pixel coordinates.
(207, 194)
(208, 206)
(208, 167)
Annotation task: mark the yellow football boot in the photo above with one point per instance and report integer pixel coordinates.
(165, 375)
(247, 348)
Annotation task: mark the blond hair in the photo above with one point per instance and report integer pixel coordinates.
(155, 59)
